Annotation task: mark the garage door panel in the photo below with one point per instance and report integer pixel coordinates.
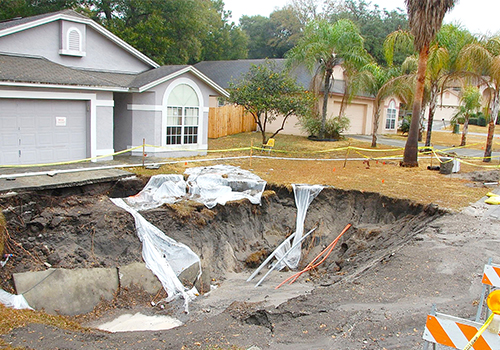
(8, 122)
(9, 157)
(42, 131)
(27, 140)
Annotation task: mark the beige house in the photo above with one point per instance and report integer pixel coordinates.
(359, 110)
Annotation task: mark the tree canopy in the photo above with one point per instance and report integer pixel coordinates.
(268, 93)
(168, 31)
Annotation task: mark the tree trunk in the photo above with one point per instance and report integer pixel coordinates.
(376, 119)
(465, 130)
(491, 126)
(263, 129)
(430, 121)
(411, 147)
(326, 95)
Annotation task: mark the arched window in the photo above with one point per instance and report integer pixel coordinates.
(390, 121)
(183, 113)
(74, 40)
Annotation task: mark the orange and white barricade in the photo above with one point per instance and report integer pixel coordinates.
(457, 332)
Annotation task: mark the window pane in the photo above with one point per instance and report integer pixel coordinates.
(190, 134)
(183, 95)
(191, 117)
(173, 135)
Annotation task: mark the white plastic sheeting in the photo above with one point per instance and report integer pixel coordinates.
(160, 189)
(164, 256)
(13, 300)
(304, 195)
(219, 184)
(212, 185)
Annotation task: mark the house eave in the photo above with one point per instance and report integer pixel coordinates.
(191, 69)
(65, 87)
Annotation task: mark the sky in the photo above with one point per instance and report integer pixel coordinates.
(478, 16)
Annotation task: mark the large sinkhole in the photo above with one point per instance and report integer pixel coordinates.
(81, 228)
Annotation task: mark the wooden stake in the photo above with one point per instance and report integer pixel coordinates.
(346, 154)
(143, 151)
(251, 152)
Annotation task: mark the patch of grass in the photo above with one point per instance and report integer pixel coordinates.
(11, 318)
(448, 139)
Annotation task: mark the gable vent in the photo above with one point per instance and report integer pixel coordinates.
(74, 40)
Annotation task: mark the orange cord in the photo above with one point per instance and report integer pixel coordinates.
(313, 264)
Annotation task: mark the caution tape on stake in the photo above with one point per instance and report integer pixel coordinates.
(358, 150)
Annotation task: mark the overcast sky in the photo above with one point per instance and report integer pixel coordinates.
(479, 16)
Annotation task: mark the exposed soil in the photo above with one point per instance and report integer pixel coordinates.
(373, 291)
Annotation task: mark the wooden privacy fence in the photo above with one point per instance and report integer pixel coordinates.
(229, 120)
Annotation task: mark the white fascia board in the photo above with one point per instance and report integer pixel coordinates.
(163, 79)
(187, 69)
(89, 22)
(65, 87)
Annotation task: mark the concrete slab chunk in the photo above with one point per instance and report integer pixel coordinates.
(137, 273)
(67, 292)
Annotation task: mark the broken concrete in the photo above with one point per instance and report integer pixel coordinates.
(67, 292)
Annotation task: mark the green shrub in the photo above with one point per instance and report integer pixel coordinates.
(481, 120)
(334, 127)
(472, 121)
(405, 125)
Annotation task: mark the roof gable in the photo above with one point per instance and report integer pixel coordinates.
(22, 24)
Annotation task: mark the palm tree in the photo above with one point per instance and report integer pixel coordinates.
(425, 19)
(324, 46)
(471, 100)
(483, 59)
(442, 69)
(381, 83)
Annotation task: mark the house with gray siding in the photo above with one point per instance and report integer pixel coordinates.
(70, 90)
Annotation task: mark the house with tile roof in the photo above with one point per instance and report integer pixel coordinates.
(70, 90)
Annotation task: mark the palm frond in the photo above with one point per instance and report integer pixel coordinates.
(425, 18)
(399, 40)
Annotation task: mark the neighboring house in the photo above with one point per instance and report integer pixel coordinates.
(447, 106)
(70, 89)
(359, 110)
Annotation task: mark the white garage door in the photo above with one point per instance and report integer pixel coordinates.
(357, 115)
(42, 131)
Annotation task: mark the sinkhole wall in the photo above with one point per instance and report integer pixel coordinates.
(81, 228)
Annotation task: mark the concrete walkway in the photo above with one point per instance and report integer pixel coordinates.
(68, 175)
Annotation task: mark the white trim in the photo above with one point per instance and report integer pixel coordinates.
(88, 21)
(105, 103)
(72, 53)
(147, 108)
(170, 88)
(43, 95)
(187, 69)
(103, 152)
(206, 109)
(68, 87)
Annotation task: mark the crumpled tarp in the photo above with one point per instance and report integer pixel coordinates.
(13, 300)
(164, 256)
(304, 195)
(219, 184)
(212, 185)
